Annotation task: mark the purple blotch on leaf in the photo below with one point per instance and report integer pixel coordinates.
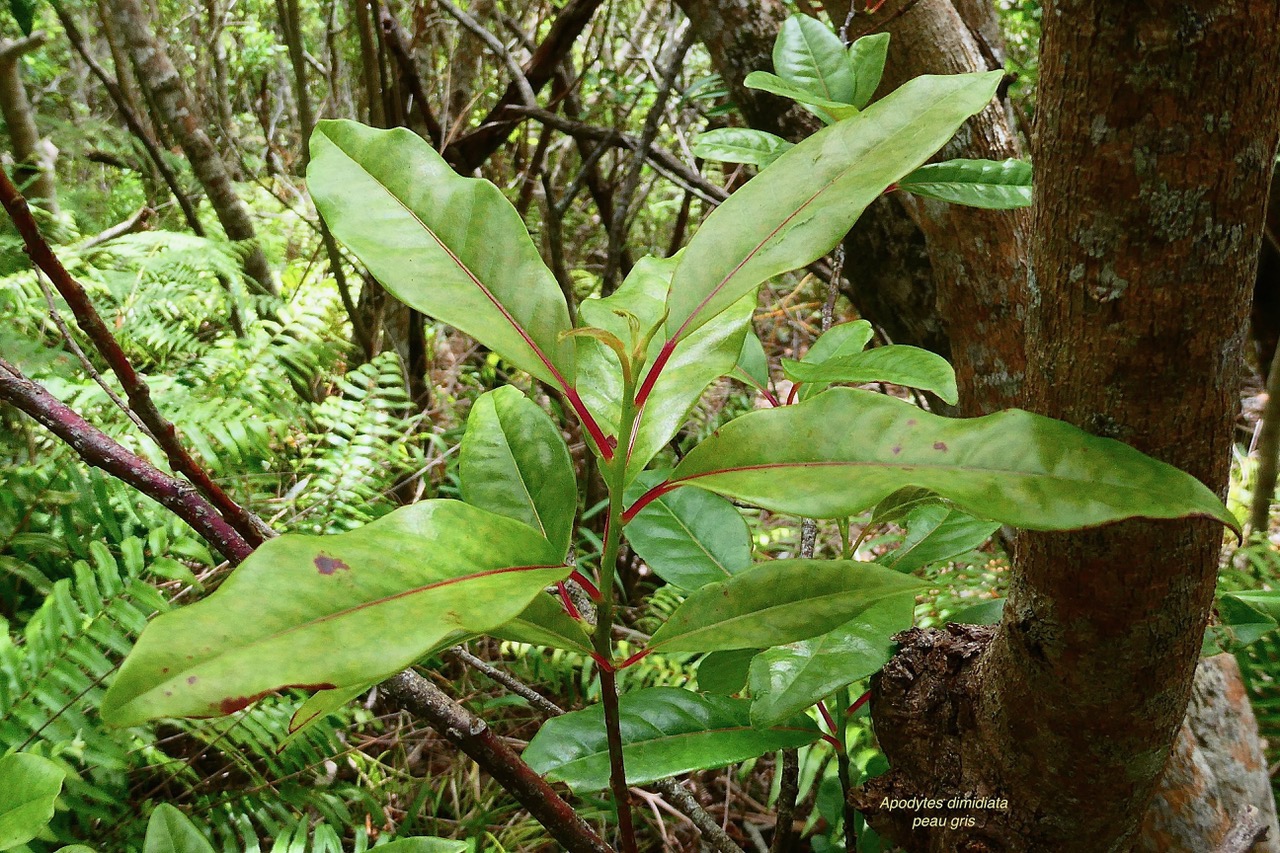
(897, 448)
(328, 565)
(939, 445)
(191, 679)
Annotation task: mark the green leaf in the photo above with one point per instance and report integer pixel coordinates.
(544, 623)
(976, 183)
(842, 339)
(788, 679)
(171, 831)
(452, 247)
(808, 54)
(799, 208)
(986, 612)
(1246, 616)
(76, 848)
(725, 673)
(783, 601)
(424, 845)
(323, 703)
(688, 537)
(935, 533)
(824, 108)
(901, 503)
(1013, 467)
(740, 145)
(514, 462)
(897, 363)
(753, 364)
(867, 56)
(693, 365)
(665, 731)
(24, 13)
(29, 787)
(325, 612)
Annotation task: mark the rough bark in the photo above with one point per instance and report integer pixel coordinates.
(33, 160)
(158, 76)
(1157, 129)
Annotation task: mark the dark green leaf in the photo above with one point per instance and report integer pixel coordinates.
(753, 364)
(788, 679)
(976, 183)
(936, 533)
(783, 601)
(665, 731)
(797, 210)
(725, 673)
(987, 612)
(24, 12)
(325, 612)
(513, 461)
(867, 56)
(901, 365)
(740, 145)
(29, 787)
(452, 247)
(171, 831)
(544, 623)
(901, 503)
(687, 539)
(1013, 467)
(809, 55)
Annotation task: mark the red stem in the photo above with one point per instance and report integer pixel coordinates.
(826, 715)
(617, 775)
(862, 700)
(795, 389)
(634, 659)
(650, 379)
(602, 442)
(566, 601)
(581, 579)
(649, 497)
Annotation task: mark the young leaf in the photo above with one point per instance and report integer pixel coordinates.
(976, 183)
(901, 503)
(321, 612)
(867, 56)
(986, 612)
(688, 537)
(725, 673)
(783, 601)
(513, 462)
(665, 731)
(788, 679)
(452, 247)
(323, 703)
(1013, 467)
(693, 365)
(753, 364)
(798, 209)
(808, 54)
(740, 145)
(896, 363)
(842, 339)
(936, 532)
(824, 108)
(29, 787)
(170, 831)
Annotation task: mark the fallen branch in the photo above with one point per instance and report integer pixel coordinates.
(139, 221)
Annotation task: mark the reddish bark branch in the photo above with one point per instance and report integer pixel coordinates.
(101, 451)
(250, 527)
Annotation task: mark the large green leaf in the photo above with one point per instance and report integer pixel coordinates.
(808, 54)
(937, 532)
(783, 601)
(171, 831)
(452, 247)
(725, 673)
(899, 364)
(798, 209)
(324, 612)
(513, 461)
(740, 145)
(867, 55)
(1013, 467)
(29, 787)
(788, 679)
(977, 183)
(665, 731)
(824, 108)
(693, 365)
(688, 537)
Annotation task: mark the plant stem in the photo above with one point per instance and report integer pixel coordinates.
(615, 478)
(842, 770)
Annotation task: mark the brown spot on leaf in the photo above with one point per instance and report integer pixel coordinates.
(328, 565)
(897, 448)
(238, 703)
(940, 445)
(191, 679)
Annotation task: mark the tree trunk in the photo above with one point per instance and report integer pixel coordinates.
(1157, 129)
(157, 75)
(370, 64)
(33, 161)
